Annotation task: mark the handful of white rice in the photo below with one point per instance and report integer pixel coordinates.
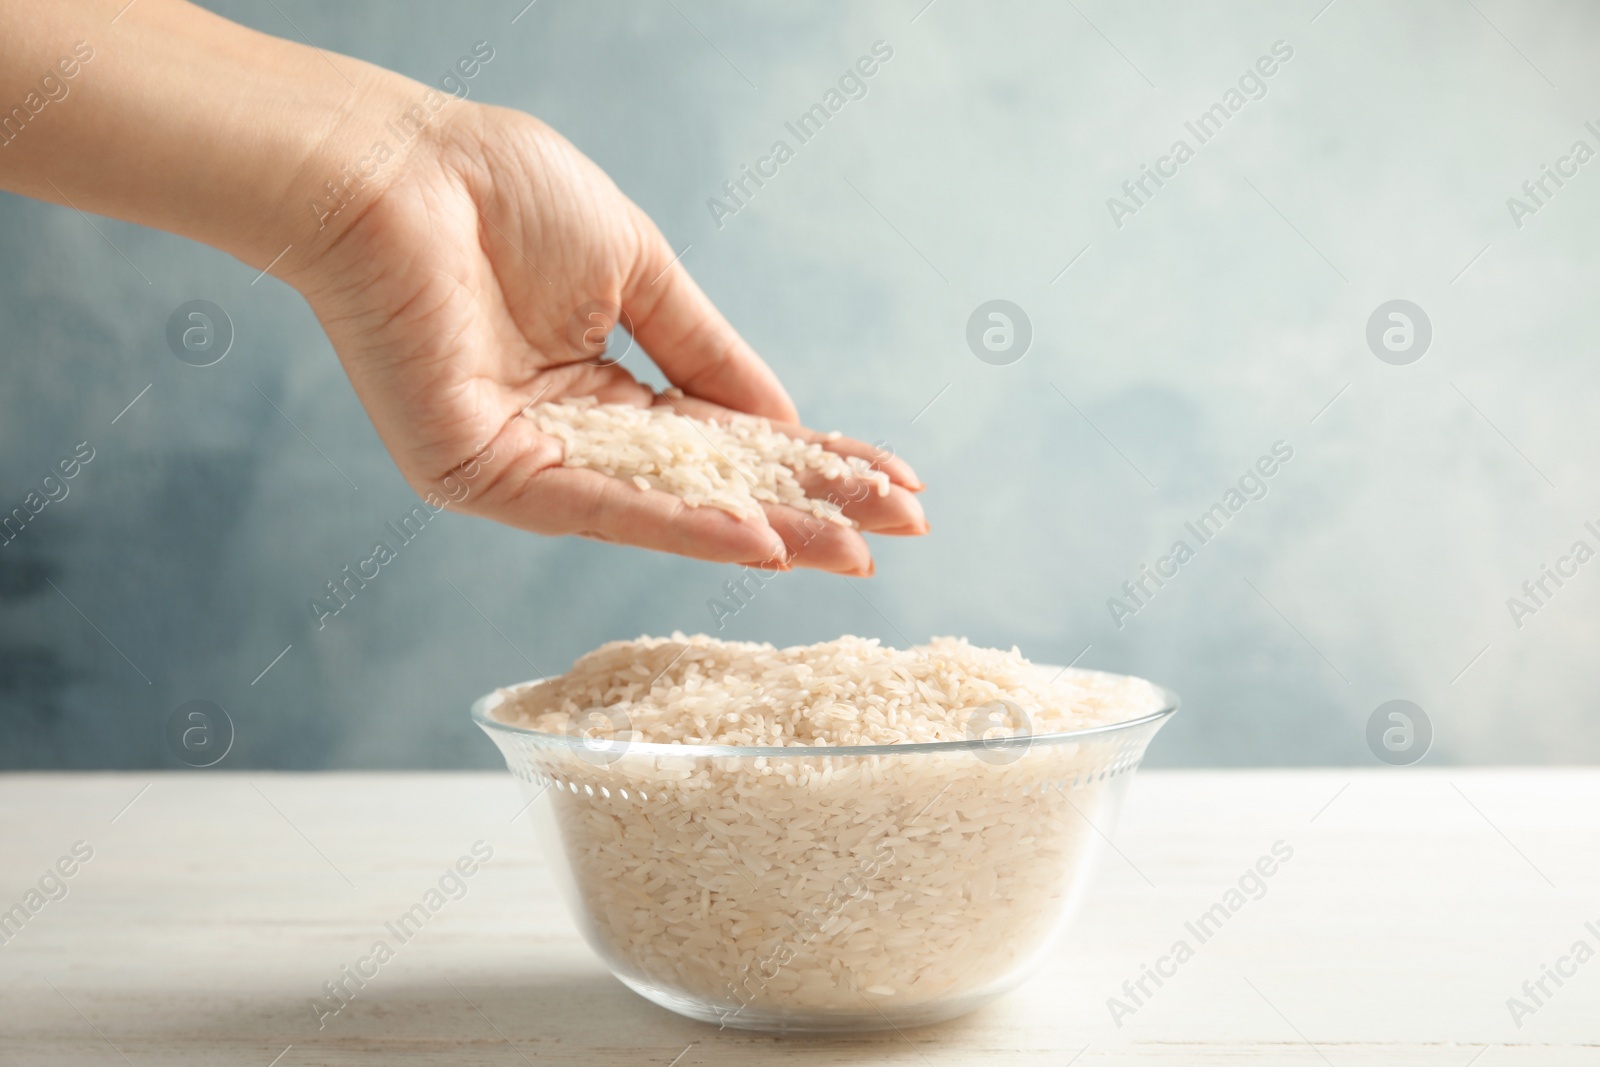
(822, 884)
(736, 465)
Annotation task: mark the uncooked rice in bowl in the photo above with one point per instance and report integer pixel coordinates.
(850, 691)
(824, 883)
(736, 464)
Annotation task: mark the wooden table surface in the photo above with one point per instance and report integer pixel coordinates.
(213, 908)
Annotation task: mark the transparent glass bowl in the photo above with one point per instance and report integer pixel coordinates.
(823, 889)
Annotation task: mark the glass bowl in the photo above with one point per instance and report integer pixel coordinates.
(828, 888)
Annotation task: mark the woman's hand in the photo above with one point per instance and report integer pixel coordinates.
(483, 278)
(456, 279)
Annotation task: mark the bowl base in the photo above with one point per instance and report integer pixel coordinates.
(766, 1020)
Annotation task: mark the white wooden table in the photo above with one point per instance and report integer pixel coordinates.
(215, 906)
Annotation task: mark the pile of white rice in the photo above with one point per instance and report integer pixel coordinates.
(822, 885)
(736, 464)
(850, 691)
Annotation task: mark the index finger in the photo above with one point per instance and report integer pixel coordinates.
(687, 337)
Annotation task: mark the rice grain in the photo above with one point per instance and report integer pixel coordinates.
(736, 464)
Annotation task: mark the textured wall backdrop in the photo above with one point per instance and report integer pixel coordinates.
(1178, 335)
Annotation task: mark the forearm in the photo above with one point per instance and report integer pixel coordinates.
(166, 115)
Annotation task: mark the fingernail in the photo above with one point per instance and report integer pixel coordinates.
(913, 523)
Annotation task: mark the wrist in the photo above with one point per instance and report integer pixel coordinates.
(342, 164)
(317, 140)
(183, 121)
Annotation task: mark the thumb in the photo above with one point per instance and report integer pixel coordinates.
(687, 337)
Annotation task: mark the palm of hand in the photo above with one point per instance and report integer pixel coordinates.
(462, 294)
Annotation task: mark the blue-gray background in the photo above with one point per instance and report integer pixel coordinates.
(1224, 316)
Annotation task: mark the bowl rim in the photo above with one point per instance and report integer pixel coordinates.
(483, 705)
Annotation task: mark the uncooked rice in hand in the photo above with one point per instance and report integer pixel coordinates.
(819, 882)
(736, 464)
